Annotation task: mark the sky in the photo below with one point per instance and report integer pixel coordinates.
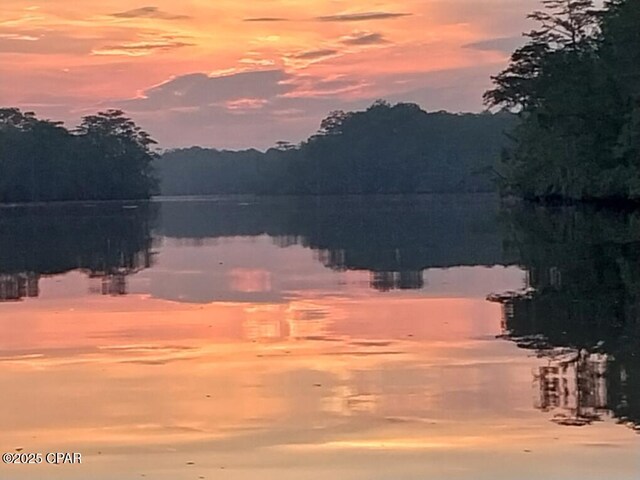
(230, 74)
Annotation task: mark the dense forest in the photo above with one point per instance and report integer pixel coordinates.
(384, 149)
(576, 88)
(106, 157)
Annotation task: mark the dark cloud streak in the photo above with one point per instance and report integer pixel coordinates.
(149, 12)
(360, 17)
(145, 46)
(363, 39)
(315, 54)
(266, 19)
(500, 44)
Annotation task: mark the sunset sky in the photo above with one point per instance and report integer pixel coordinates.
(233, 74)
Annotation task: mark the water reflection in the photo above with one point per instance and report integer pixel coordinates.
(19, 285)
(236, 351)
(394, 238)
(582, 304)
(108, 242)
(573, 387)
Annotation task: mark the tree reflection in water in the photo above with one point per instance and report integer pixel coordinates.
(107, 241)
(580, 311)
(394, 237)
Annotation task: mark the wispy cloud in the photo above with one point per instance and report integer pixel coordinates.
(360, 17)
(17, 36)
(364, 38)
(309, 86)
(258, 62)
(139, 49)
(315, 54)
(266, 19)
(500, 44)
(25, 19)
(149, 12)
(42, 42)
(244, 104)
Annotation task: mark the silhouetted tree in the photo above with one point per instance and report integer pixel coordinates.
(575, 87)
(106, 157)
(384, 149)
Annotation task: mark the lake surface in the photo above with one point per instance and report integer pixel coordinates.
(337, 337)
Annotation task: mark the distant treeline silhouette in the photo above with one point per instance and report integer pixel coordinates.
(106, 157)
(576, 87)
(385, 149)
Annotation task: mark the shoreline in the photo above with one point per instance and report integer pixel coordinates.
(178, 198)
(613, 203)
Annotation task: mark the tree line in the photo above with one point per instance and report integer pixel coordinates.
(576, 88)
(106, 157)
(383, 149)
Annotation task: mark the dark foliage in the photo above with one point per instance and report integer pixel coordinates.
(385, 149)
(106, 157)
(576, 87)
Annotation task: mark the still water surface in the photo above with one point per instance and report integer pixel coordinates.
(350, 338)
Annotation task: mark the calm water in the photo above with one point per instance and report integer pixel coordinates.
(347, 338)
